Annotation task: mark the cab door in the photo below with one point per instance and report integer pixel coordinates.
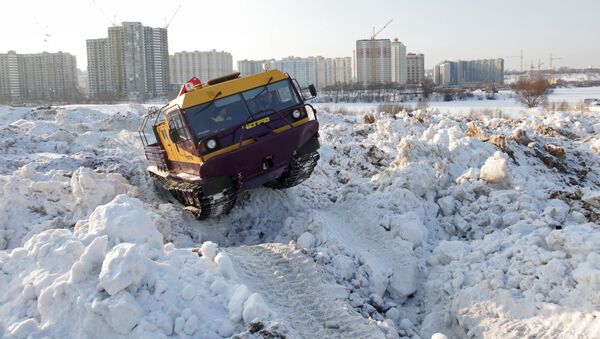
(163, 134)
(183, 150)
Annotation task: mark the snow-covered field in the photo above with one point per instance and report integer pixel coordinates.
(569, 77)
(505, 105)
(416, 224)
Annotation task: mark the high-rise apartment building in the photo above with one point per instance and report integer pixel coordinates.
(415, 68)
(445, 73)
(472, 72)
(372, 61)
(101, 70)
(338, 71)
(38, 77)
(399, 65)
(304, 70)
(10, 89)
(157, 61)
(203, 65)
(133, 63)
(319, 71)
(249, 67)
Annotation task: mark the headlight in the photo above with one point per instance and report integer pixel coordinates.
(296, 114)
(211, 144)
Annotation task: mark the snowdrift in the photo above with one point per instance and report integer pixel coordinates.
(413, 224)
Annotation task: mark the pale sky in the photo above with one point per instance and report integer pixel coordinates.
(457, 29)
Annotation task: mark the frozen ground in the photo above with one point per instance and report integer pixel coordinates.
(415, 224)
(505, 104)
(570, 77)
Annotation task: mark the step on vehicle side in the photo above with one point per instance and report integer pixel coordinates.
(230, 134)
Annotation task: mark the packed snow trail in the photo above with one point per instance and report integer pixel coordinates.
(300, 292)
(540, 321)
(389, 261)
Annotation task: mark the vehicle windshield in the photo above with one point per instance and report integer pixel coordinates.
(222, 114)
(275, 96)
(210, 118)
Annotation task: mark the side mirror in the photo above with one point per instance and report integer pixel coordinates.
(312, 90)
(174, 134)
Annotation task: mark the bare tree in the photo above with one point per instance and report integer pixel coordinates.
(427, 87)
(531, 92)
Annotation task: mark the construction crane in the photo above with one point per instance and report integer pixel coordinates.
(46, 38)
(518, 56)
(539, 65)
(47, 35)
(379, 31)
(167, 23)
(113, 22)
(552, 60)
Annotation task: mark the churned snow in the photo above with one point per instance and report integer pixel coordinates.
(407, 223)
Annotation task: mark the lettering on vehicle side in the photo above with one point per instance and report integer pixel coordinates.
(257, 122)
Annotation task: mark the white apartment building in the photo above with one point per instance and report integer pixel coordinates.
(249, 67)
(469, 72)
(415, 68)
(399, 63)
(444, 73)
(38, 77)
(202, 65)
(336, 71)
(319, 71)
(304, 70)
(372, 61)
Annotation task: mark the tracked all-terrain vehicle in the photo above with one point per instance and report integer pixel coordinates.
(231, 134)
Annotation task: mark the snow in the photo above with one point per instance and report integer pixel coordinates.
(504, 105)
(407, 228)
(255, 309)
(496, 170)
(209, 249)
(306, 240)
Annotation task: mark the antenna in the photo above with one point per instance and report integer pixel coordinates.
(173, 16)
(379, 31)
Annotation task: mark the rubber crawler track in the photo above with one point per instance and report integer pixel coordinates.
(191, 195)
(299, 169)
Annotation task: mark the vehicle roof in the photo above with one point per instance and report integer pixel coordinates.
(207, 92)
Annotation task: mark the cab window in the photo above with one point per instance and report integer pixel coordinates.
(176, 127)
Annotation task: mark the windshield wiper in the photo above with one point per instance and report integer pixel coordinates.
(254, 97)
(210, 104)
(263, 89)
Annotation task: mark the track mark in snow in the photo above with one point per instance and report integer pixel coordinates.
(300, 292)
(560, 323)
(390, 261)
